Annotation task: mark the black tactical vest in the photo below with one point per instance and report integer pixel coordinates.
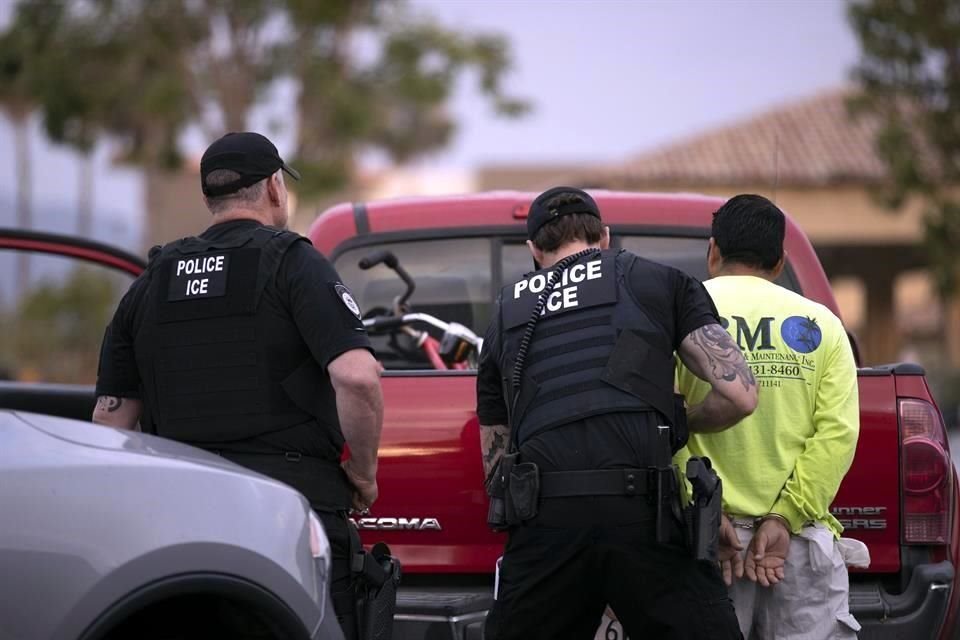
(218, 364)
(594, 350)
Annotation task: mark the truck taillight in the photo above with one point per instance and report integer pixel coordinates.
(925, 470)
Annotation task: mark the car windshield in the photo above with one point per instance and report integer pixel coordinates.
(457, 279)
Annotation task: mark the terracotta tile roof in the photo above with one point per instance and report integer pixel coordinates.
(815, 142)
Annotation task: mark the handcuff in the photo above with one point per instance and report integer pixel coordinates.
(746, 523)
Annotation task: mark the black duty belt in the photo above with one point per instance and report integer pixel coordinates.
(289, 456)
(603, 482)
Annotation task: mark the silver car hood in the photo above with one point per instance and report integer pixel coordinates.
(107, 438)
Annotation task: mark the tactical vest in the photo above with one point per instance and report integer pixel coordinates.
(218, 364)
(594, 349)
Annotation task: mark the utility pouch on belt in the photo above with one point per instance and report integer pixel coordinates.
(376, 575)
(523, 492)
(497, 490)
(703, 514)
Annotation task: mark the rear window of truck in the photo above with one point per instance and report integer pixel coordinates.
(457, 279)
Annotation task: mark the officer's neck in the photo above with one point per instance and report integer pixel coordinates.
(553, 257)
(263, 217)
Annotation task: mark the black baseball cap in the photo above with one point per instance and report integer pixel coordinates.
(249, 154)
(540, 214)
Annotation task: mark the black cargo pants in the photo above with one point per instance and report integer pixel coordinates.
(339, 533)
(556, 580)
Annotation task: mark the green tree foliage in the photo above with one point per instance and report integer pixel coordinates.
(370, 75)
(909, 73)
(54, 333)
(22, 47)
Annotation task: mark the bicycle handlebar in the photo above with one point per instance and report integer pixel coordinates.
(395, 322)
(390, 260)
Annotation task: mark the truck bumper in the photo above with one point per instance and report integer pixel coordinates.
(919, 612)
(440, 613)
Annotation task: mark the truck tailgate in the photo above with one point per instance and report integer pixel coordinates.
(432, 507)
(868, 503)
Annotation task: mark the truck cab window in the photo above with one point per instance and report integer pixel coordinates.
(453, 284)
(686, 254)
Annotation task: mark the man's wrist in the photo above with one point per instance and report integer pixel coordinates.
(366, 469)
(773, 516)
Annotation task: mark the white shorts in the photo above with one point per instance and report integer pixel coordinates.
(810, 603)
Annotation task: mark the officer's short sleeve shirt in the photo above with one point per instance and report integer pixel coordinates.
(117, 373)
(321, 305)
(679, 302)
(491, 406)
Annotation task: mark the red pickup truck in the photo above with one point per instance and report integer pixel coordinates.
(900, 496)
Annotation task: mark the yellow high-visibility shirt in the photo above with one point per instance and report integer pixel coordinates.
(791, 454)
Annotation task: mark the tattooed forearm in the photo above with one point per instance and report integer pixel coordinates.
(711, 354)
(724, 357)
(493, 444)
(109, 404)
(113, 411)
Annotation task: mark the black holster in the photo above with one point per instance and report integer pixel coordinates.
(514, 490)
(376, 577)
(702, 515)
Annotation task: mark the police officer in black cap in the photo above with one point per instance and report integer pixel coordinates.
(578, 426)
(244, 341)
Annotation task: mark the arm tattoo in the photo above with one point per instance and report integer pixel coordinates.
(498, 445)
(493, 444)
(726, 360)
(109, 403)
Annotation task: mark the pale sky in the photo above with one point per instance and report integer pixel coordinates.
(607, 80)
(611, 78)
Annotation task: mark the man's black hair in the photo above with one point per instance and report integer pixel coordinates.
(749, 229)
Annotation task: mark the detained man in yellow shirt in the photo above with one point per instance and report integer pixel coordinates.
(782, 466)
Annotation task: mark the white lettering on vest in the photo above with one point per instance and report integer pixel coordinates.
(593, 270)
(196, 266)
(518, 289)
(554, 301)
(537, 283)
(562, 296)
(576, 273)
(562, 299)
(196, 287)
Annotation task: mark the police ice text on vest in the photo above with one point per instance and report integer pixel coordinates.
(196, 267)
(564, 294)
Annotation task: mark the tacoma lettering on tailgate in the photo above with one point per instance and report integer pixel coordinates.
(397, 524)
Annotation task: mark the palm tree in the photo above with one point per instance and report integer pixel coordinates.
(16, 103)
(22, 48)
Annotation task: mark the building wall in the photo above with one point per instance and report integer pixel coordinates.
(836, 215)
